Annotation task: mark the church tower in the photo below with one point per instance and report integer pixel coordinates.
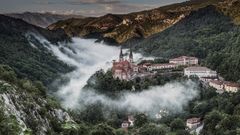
(131, 56)
(121, 55)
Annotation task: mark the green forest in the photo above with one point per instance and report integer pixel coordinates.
(207, 34)
(26, 73)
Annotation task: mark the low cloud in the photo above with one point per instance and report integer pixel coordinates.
(89, 57)
(171, 97)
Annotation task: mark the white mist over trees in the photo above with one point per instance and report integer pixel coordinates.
(89, 57)
(172, 97)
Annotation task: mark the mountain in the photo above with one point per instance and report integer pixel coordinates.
(207, 34)
(26, 109)
(121, 28)
(42, 19)
(25, 54)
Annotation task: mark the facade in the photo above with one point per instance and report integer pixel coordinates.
(199, 72)
(207, 79)
(219, 85)
(184, 60)
(131, 120)
(124, 68)
(231, 87)
(152, 67)
(224, 86)
(193, 123)
(125, 124)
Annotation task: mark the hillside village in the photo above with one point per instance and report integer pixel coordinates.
(126, 69)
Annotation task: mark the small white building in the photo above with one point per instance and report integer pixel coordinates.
(207, 79)
(231, 87)
(184, 60)
(219, 85)
(222, 86)
(125, 124)
(193, 123)
(131, 120)
(199, 72)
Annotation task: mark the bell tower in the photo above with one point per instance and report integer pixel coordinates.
(131, 56)
(121, 55)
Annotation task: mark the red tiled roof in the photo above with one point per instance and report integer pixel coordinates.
(193, 120)
(232, 84)
(217, 82)
(197, 68)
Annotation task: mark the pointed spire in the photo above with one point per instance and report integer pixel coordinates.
(131, 55)
(121, 55)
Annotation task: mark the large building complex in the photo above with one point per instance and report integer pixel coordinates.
(123, 68)
(224, 85)
(199, 72)
(184, 60)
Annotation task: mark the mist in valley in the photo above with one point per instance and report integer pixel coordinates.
(89, 57)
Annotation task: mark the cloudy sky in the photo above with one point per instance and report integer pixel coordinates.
(83, 7)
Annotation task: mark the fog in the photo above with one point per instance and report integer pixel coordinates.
(89, 57)
(171, 97)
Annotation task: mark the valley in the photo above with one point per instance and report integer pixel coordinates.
(172, 70)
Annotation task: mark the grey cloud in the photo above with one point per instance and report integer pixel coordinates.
(87, 2)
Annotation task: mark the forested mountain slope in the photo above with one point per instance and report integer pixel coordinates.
(207, 34)
(32, 61)
(121, 28)
(118, 29)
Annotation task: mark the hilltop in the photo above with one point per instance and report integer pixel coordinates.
(42, 19)
(207, 34)
(118, 29)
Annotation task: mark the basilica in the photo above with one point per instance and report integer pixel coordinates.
(124, 69)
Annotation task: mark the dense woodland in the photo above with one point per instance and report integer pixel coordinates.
(27, 61)
(220, 113)
(104, 83)
(206, 34)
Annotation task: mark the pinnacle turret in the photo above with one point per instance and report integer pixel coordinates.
(121, 55)
(131, 56)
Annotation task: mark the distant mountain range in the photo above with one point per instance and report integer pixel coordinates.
(207, 29)
(139, 25)
(190, 28)
(42, 19)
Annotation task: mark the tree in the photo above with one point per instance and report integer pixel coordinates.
(140, 120)
(41, 88)
(177, 124)
(7, 74)
(8, 124)
(230, 123)
(211, 120)
(102, 129)
(152, 129)
(93, 114)
(121, 132)
(75, 129)
(182, 132)
(237, 110)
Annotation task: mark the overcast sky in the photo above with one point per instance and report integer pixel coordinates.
(83, 7)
